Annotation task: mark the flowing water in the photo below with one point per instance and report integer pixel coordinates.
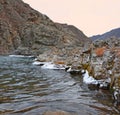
(26, 89)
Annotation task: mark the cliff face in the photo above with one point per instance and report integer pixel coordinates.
(26, 31)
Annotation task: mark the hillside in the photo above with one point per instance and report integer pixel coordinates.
(112, 33)
(24, 30)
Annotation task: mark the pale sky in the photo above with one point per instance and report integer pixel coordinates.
(91, 16)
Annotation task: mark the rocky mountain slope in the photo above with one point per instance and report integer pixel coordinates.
(113, 33)
(24, 30)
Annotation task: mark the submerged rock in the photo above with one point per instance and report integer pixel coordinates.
(58, 113)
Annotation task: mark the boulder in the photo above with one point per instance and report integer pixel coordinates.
(58, 113)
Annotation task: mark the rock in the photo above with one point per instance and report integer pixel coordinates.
(58, 113)
(74, 71)
(100, 51)
(116, 89)
(115, 84)
(108, 55)
(22, 26)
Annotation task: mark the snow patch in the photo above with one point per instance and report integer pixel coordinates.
(38, 63)
(103, 83)
(20, 56)
(89, 79)
(49, 65)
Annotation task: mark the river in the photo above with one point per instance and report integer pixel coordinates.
(26, 89)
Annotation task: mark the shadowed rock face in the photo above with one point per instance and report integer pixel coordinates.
(26, 31)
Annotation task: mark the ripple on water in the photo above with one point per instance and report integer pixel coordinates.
(28, 89)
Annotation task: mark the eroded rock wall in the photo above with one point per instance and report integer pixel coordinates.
(22, 27)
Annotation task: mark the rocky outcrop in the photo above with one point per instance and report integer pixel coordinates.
(101, 59)
(106, 63)
(21, 28)
(58, 113)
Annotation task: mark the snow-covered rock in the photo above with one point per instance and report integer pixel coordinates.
(89, 79)
(49, 65)
(103, 83)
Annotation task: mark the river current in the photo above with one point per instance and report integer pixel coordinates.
(26, 89)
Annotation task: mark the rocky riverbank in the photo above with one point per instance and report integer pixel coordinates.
(101, 59)
(108, 54)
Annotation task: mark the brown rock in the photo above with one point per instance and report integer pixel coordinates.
(58, 113)
(22, 26)
(100, 51)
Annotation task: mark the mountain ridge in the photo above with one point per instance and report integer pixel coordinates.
(112, 33)
(27, 31)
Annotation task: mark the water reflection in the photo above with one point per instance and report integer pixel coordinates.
(28, 89)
